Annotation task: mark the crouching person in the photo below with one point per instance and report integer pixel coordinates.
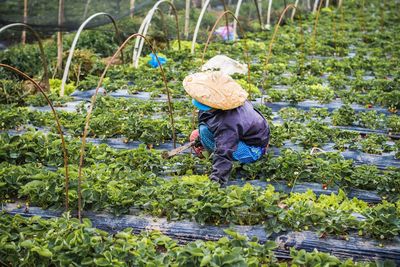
(229, 126)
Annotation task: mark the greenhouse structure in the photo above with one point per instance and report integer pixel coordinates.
(200, 133)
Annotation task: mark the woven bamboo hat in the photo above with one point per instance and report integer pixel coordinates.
(215, 89)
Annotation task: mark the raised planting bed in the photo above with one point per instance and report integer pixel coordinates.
(308, 104)
(360, 249)
(318, 189)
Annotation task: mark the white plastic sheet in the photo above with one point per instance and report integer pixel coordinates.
(225, 64)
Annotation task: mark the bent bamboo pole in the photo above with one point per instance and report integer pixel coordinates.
(42, 54)
(93, 102)
(58, 126)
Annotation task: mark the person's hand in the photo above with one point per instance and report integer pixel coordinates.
(197, 149)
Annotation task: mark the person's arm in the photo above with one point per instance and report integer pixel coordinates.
(226, 141)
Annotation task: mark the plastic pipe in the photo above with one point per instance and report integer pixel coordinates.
(144, 28)
(239, 3)
(86, 9)
(296, 3)
(269, 14)
(196, 30)
(75, 41)
(137, 42)
(315, 6)
(237, 15)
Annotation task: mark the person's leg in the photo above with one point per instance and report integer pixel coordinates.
(248, 154)
(207, 138)
(244, 153)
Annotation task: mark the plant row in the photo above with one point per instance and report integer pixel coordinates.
(375, 45)
(344, 116)
(141, 121)
(65, 241)
(291, 166)
(198, 199)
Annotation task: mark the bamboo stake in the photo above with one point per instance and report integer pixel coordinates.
(23, 37)
(132, 7)
(314, 33)
(187, 19)
(58, 126)
(259, 4)
(59, 35)
(259, 12)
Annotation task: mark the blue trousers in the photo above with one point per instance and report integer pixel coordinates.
(244, 153)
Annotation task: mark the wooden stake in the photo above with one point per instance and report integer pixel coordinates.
(132, 6)
(59, 35)
(23, 37)
(187, 19)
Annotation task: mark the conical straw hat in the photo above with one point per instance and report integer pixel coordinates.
(215, 89)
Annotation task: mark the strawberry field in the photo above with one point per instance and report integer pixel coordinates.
(83, 180)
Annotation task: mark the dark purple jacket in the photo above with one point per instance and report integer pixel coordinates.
(243, 123)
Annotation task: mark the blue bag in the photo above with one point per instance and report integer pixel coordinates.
(153, 61)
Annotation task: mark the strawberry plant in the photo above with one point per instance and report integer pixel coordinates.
(65, 241)
(382, 221)
(393, 123)
(365, 176)
(375, 144)
(371, 120)
(344, 116)
(12, 117)
(12, 92)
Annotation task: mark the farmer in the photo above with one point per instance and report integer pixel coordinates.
(229, 126)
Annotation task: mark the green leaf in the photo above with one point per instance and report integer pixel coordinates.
(87, 261)
(196, 252)
(27, 244)
(206, 260)
(44, 252)
(101, 262)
